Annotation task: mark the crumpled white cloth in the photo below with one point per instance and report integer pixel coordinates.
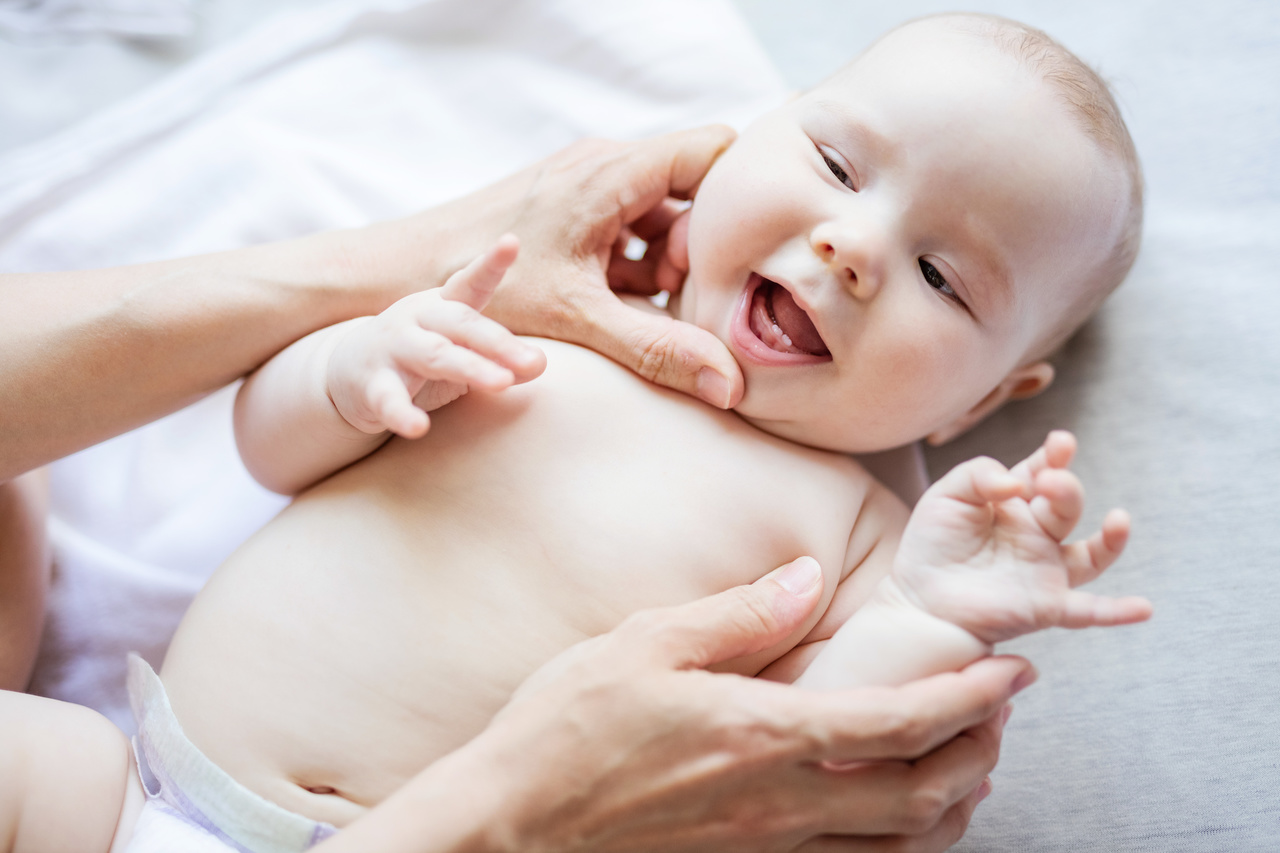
(332, 116)
(131, 18)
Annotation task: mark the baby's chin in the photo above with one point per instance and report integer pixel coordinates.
(818, 434)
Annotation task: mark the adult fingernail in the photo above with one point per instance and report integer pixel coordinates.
(713, 388)
(1024, 680)
(984, 790)
(799, 576)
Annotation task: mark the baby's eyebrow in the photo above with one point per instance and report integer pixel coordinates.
(994, 285)
(868, 140)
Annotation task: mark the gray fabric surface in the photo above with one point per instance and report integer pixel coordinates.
(1162, 737)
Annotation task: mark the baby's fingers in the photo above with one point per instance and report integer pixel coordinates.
(450, 324)
(393, 407)
(1090, 558)
(475, 283)
(434, 357)
(1086, 610)
(1058, 502)
(1057, 451)
(978, 482)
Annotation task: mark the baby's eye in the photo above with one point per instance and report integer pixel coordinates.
(936, 281)
(836, 169)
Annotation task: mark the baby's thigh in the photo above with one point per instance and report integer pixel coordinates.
(64, 774)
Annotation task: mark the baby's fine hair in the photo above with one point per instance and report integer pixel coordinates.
(1090, 100)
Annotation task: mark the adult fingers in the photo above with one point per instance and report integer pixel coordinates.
(669, 165)
(657, 222)
(914, 719)
(905, 797)
(734, 623)
(638, 275)
(945, 833)
(940, 837)
(666, 351)
(663, 267)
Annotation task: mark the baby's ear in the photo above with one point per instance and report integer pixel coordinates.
(1022, 383)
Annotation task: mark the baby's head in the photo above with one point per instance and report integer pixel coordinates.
(893, 254)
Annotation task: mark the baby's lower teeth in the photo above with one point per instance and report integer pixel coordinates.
(786, 340)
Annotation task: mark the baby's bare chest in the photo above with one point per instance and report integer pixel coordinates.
(443, 571)
(596, 487)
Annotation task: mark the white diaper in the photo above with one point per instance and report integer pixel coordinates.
(193, 806)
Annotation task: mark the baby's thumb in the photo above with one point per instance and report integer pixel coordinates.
(678, 355)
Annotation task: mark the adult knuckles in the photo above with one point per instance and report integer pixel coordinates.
(948, 830)
(907, 730)
(752, 615)
(777, 819)
(923, 808)
(659, 358)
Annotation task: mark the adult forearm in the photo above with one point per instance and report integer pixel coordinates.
(24, 576)
(88, 355)
(455, 806)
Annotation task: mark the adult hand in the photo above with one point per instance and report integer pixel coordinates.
(89, 354)
(626, 743)
(572, 213)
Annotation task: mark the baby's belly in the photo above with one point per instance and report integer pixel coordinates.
(381, 620)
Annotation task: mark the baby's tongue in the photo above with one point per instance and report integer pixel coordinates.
(794, 323)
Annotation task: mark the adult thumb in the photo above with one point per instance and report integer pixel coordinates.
(669, 352)
(739, 621)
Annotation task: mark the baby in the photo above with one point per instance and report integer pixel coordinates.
(889, 257)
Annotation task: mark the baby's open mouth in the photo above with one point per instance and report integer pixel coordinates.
(783, 326)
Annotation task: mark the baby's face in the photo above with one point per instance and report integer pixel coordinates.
(880, 253)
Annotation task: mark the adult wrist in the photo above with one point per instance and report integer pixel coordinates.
(387, 260)
(456, 805)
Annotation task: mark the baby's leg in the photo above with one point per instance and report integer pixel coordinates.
(67, 779)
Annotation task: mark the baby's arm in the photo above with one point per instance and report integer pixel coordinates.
(981, 560)
(338, 394)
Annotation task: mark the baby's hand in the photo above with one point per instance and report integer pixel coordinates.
(386, 372)
(983, 549)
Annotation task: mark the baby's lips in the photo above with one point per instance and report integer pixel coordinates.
(793, 321)
(757, 338)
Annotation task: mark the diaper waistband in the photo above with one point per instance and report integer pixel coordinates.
(177, 772)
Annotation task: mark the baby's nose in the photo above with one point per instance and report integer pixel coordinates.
(851, 258)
